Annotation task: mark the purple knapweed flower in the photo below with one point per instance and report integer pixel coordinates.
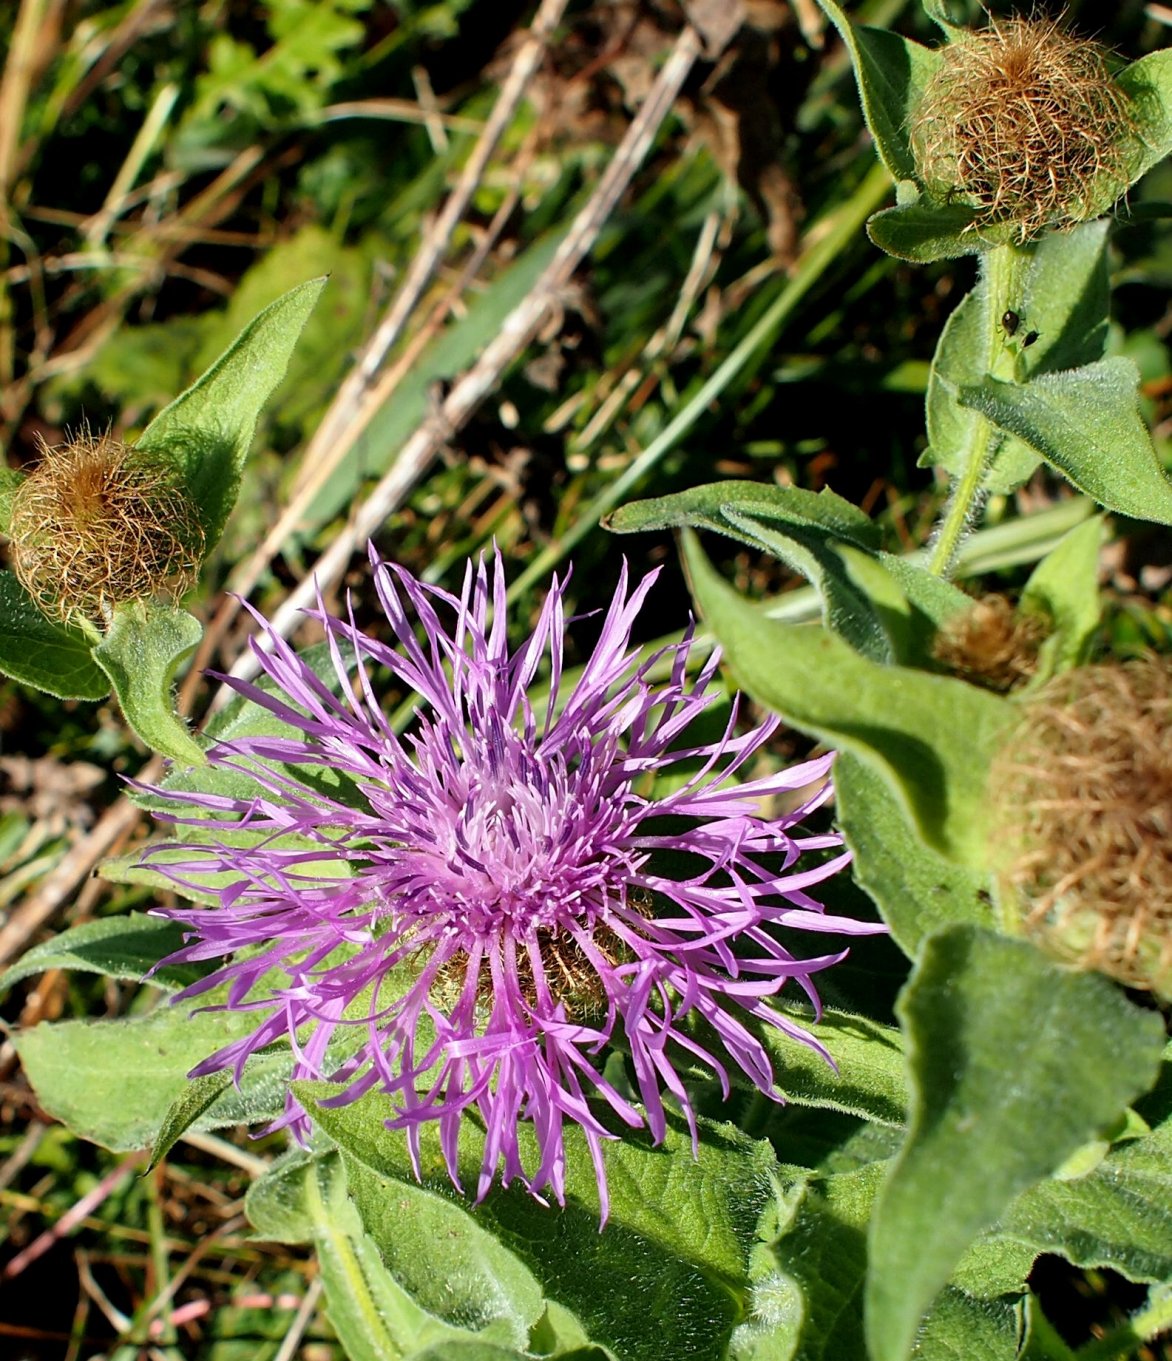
(478, 908)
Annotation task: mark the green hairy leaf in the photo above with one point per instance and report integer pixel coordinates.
(207, 430)
(916, 889)
(1061, 296)
(1148, 82)
(655, 1282)
(146, 644)
(800, 528)
(931, 738)
(1117, 1214)
(114, 1081)
(922, 231)
(1065, 588)
(124, 947)
(892, 73)
(374, 1317)
(1085, 423)
(199, 1094)
(42, 653)
(869, 1080)
(809, 1273)
(1014, 1063)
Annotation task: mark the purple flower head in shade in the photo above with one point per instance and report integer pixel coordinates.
(479, 908)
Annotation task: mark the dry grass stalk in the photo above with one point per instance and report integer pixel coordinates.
(98, 523)
(1086, 786)
(1024, 122)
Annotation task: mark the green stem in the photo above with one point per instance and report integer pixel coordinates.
(1001, 285)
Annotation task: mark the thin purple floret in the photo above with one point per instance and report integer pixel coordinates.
(466, 917)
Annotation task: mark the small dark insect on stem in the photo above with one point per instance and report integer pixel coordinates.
(1011, 321)
(1028, 339)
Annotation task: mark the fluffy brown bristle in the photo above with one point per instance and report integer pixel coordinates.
(98, 523)
(1086, 788)
(991, 645)
(1024, 122)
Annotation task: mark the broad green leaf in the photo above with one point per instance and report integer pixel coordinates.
(824, 1141)
(146, 643)
(443, 1259)
(870, 1080)
(957, 435)
(276, 1202)
(931, 599)
(124, 947)
(807, 1294)
(922, 231)
(810, 1269)
(1065, 294)
(930, 737)
(196, 1097)
(1087, 424)
(848, 611)
(937, 11)
(994, 1265)
(114, 1081)
(1148, 82)
(1060, 295)
(659, 1280)
(207, 430)
(960, 1328)
(37, 651)
(705, 507)
(1014, 1063)
(800, 528)
(374, 1317)
(1117, 1215)
(892, 73)
(244, 718)
(1065, 587)
(915, 888)
(909, 602)
(1041, 1342)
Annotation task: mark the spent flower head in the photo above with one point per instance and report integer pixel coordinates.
(98, 523)
(1085, 793)
(1024, 122)
(468, 917)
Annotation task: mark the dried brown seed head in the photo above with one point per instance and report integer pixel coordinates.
(97, 523)
(1085, 788)
(1024, 122)
(991, 645)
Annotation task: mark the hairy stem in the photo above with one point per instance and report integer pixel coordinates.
(1002, 269)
